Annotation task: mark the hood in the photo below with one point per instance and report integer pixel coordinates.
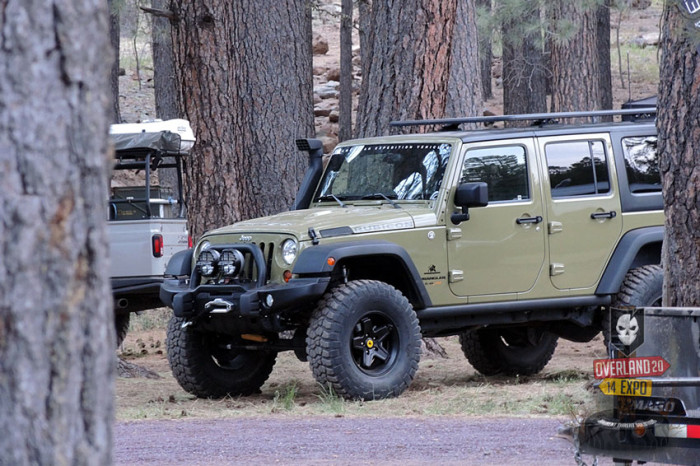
(327, 222)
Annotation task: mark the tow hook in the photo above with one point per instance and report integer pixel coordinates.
(219, 306)
(186, 324)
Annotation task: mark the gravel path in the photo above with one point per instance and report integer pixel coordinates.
(322, 440)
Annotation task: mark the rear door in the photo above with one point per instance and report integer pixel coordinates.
(584, 221)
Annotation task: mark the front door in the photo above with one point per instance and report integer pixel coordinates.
(584, 221)
(500, 250)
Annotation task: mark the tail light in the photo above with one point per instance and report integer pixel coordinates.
(157, 243)
(190, 243)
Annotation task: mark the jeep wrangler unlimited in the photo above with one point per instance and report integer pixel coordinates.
(147, 222)
(509, 238)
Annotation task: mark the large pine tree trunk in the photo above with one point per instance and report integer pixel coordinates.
(679, 146)
(345, 99)
(114, 40)
(603, 40)
(464, 92)
(56, 322)
(574, 57)
(485, 53)
(164, 84)
(524, 84)
(408, 70)
(245, 83)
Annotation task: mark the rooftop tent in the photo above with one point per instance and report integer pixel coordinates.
(171, 136)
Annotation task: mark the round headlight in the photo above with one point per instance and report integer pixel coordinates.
(231, 262)
(206, 262)
(289, 251)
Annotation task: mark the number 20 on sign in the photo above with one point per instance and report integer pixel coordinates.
(626, 387)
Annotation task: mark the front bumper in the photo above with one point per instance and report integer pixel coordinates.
(236, 300)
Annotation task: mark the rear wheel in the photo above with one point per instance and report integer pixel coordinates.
(364, 341)
(510, 351)
(121, 325)
(208, 366)
(642, 287)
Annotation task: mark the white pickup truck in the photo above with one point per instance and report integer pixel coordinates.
(147, 223)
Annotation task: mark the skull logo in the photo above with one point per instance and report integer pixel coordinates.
(627, 328)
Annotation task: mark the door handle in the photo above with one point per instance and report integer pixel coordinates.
(599, 215)
(526, 220)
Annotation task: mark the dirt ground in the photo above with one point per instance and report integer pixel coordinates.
(448, 386)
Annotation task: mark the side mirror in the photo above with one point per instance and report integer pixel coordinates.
(469, 195)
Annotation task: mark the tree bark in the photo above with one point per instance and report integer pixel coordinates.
(408, 72)
(345, 99)
(114, 40)
(245, 83)
(485, 54)
(56, 322)
(574, 57)
(164, 75)
(524, 76)
(679, 146)
(464, 93)
(603, 45)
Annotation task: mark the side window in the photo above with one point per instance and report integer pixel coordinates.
(577, 168)
(642, 164)
(504, 169)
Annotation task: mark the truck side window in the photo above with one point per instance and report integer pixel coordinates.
(642, 164)
(577, 168)
(504, 169)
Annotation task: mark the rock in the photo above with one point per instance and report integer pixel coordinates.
(329, 143)
(317, 99)
(320, 70)
(356, 51)
(333, 116)
(641, 4)
(333, 74)
(320, 111)
(650, 39)
(328, 90)
(320, 45)
(129, 370)
(356, 60)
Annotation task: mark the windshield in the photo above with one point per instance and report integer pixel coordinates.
(381, 171)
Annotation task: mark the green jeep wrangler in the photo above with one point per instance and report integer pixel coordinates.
(509, 238)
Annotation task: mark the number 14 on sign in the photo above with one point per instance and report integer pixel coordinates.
(626, 387)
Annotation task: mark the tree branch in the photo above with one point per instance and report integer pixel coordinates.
(173, 17)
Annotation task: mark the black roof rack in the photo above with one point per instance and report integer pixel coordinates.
(452, 124)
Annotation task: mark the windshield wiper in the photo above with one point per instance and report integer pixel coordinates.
(383, 196)
(333, 197)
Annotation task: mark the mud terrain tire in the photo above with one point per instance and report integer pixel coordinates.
(121, 326)
(364, 341)
(204, 367)
(509, 351)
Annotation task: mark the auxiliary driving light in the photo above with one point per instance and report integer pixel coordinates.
(269, 301)
(231, 262)
(206, 262)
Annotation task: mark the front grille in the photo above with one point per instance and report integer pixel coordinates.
(270, 247)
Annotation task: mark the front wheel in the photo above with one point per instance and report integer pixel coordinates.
(509, 351)
(208, 365)
(364, 341)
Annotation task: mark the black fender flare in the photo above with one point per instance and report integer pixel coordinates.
(623, 258)
(180, 264)
(314, 260)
